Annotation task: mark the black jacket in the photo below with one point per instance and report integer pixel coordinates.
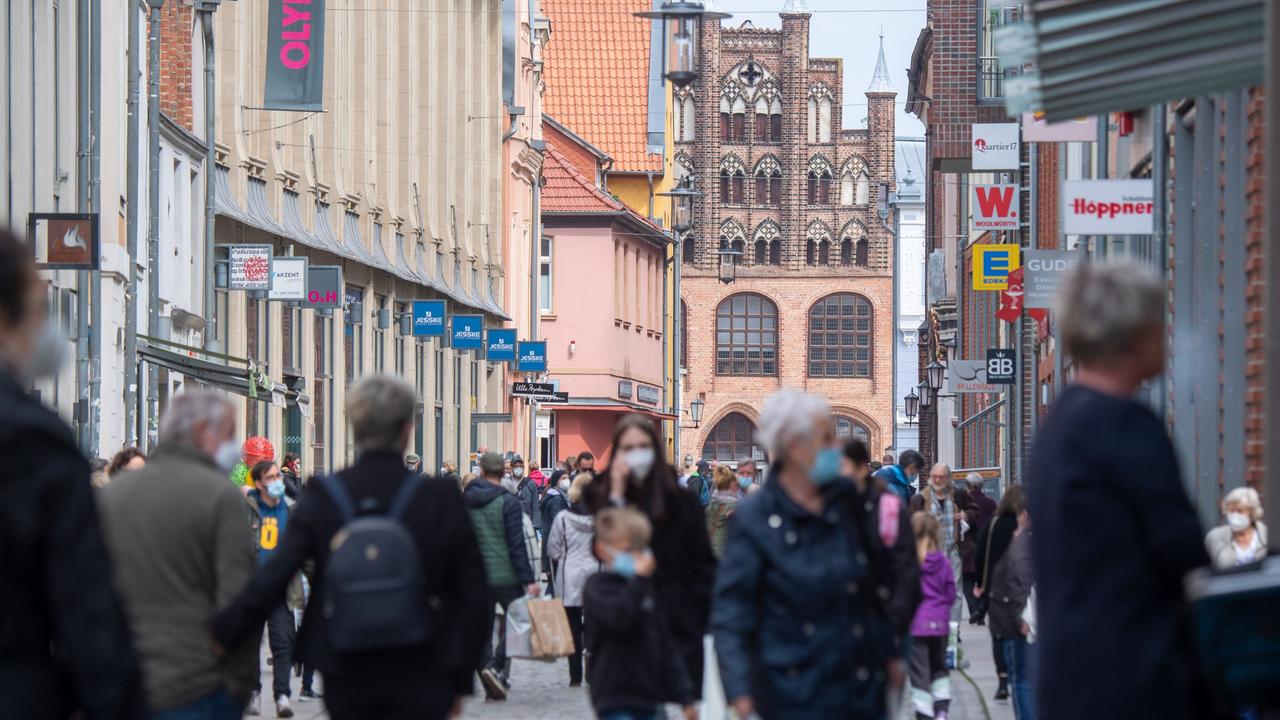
(553, 503)
(895, 568)
(64, 642)
(634, 663)
(686, 565)
(452, 569)
(481, 492)
(292, 485)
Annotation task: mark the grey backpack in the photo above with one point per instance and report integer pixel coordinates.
(374, 593)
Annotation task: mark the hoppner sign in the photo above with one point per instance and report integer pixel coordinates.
(1108, 207)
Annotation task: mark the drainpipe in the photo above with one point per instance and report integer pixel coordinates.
(536, 224)
(95, 206)
(892, 229)
(133, 141)
(1271, 277)
(677, 331)
(1160, 175)
(84, 122)
(153, 212)
(210, 168)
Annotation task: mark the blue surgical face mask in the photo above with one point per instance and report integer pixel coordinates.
(744, 482)
(826, 467)
(624, 564)
(275, 489)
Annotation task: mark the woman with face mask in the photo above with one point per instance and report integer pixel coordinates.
(1242, 539)
(63, 633)
(639, 476)
(797, 628)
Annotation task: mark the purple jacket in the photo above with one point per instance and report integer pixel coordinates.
(938, 587)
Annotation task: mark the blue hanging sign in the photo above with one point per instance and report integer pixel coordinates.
(428, 318)
(468, 332)
(533, 357)
(500, 345)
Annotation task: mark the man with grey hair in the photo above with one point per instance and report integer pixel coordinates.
(426, 679)
(957, 517)
(180, 540)
(1114, 532)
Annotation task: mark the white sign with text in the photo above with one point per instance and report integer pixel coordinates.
(1108, 207)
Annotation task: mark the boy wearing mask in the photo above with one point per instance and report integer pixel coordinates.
(634, 667)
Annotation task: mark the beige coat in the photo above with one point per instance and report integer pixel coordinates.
(1222, 551)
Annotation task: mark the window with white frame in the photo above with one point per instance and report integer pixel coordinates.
(545, 263)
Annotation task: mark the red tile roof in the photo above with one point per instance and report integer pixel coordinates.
(597, 75)
(569, 189)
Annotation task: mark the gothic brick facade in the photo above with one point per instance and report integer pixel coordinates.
(763, 107)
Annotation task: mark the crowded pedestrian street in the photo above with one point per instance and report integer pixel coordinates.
(639, 359)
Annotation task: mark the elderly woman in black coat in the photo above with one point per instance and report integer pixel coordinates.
(799, 626)
(639, 476)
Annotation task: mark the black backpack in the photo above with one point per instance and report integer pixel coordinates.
(374, 594)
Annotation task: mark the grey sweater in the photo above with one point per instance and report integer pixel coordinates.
(179, 539)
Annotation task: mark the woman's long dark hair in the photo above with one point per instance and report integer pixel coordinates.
(655, 493)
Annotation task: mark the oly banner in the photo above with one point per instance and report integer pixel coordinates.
(295, 55)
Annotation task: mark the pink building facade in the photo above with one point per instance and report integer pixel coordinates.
(601, 301)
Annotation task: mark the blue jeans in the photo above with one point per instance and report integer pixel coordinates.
(218, 706)
(1020, 658)
(630, 715)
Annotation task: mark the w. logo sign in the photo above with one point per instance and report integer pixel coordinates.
(995, 207)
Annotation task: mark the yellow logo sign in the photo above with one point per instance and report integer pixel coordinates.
(992, 265)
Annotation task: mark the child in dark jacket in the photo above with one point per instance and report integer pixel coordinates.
(930, 679)
(635, 667)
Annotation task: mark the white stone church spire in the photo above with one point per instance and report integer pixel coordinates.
(881, 82)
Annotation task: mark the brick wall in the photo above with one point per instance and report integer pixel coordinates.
(1255, 256)
(793, 285)
(176, 27)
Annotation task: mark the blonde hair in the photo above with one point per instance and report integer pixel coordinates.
(614, 524)
(1247, 498)
(579, 486)
(724, 478)
(928, 533)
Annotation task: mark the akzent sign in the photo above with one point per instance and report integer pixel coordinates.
(468, 332)
(1108, 207)
(428, 318)
(288, 279)
(992, 265)
(500, 346)
(532, 357)
(996, 146)
(995, 207)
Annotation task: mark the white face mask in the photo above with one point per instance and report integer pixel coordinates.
(1238, 521)
(48, 352)
(518, 472)
(564, 485)
(227, 455)
(640, 460)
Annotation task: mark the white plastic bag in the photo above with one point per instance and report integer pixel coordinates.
(519, 629)
(714, 706)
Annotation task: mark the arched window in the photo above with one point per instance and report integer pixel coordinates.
(762, 119)
(813, 120)
(862, 255)
(732, 439)
(688, 250)
(775, 120)
(686, 117)
(824, 120)
(847, 427)
(810, 252)
(820, 107)
(732, 236)
(846, 188)
(747, 336)
(733, 181)
(762, 251)
(818, 248)
(768, 243)
(768, 182)
(864, 189)
(768, 119)
(846, 252)
(840, 337)
(819, 181)
(824, 252)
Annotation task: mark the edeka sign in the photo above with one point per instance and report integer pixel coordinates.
(324, 287)
(992, 265)
(1043, 275)
(996, 146)
(428, 318)
(533, 357)
(500, 346)
(1108, 207)
(995, 207)
(295, 55)
(468, 332)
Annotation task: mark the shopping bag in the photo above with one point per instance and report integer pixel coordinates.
(551, 636)
(714, 706)
(519, 629)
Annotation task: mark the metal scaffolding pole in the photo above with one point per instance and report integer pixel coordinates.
(1271, 419)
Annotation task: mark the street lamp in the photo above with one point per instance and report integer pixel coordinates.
(935, 374)
(728, 264)
(913, 407)
(695, 411)
(682, 199)
(680, 20)
(926, 395)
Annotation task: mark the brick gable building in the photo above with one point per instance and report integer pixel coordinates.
(798, 195)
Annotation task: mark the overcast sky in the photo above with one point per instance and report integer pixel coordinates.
(850, 29)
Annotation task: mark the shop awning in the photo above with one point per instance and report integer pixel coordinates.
(1098, 56)
(224, 372)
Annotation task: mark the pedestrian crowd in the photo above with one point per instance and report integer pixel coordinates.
(830, 586)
